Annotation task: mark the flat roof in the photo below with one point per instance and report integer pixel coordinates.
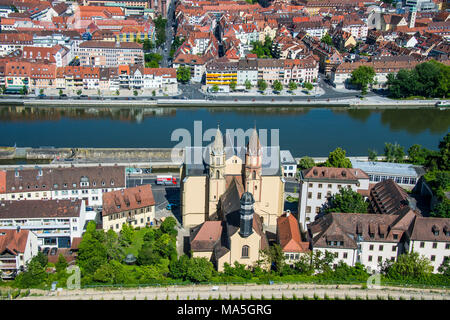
(403, 169)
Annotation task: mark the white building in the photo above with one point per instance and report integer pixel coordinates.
(288, 163)
(317, 184)
(17, 247)
(404, 174)
(430, 237)
(247, 70)
(84, 183)
(55, 222)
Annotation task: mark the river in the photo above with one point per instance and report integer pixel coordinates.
(303, 131)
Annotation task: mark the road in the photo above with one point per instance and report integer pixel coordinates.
(249, 291)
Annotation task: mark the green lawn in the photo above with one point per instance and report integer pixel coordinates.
(138, 239)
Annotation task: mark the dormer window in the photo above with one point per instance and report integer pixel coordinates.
(112, 182)
(435, 230)
(103, 183)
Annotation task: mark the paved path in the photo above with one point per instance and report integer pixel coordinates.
(247, 292)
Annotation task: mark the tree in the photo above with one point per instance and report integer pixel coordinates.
(338, 159)
(417, 154)
(274, 257)
(117, 92)
(372, 155)
(184, 74)
(347, 201)
(394, 152)
(178, 268)
(233, 85)
(444, 268)
(41, 91)
(135, 93)
(444, 152)
(114, 250)
(262, 50)
(153, 93)
(61, 264)
(34, 275)
(169, 226)
(262, 85)
(308, 86)
(277, 86)
(199, 270)
(24, 90)
(126, 235)
(327, 39)
(215, 88)
(306, 163)
(248, 84)
(292, 85)
(41, 258)
(441, 209)
(91, 253)
(79, 92)
(362, 77)
(408, 266)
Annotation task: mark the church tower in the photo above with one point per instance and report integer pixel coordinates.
(246, 215)
(216, 172)
(253, 166)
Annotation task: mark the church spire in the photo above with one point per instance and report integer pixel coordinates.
(217, 148)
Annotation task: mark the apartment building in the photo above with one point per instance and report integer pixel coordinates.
(317, 184)
(135, 206)
(55, 222)
(369, 239)
(247, 70)
(221, 72)
(10, 42)
(84, 183)
(17, 247)
(430, 237)
(110, 53)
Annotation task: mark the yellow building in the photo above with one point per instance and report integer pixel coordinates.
(206, 188)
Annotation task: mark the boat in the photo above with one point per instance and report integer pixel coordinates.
(442, 104)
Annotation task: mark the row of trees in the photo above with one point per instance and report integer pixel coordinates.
(430, 79)
(160, 26)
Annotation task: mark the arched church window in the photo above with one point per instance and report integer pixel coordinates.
(254, 175)
(217, 174)
(245, 251)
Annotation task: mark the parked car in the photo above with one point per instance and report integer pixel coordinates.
(89, 209)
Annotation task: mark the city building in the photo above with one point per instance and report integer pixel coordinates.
(404, 174)
(237, 237)
(55, 222)
(204, 186)
(387, 197)
(84, 183)
(288, 163)
(17, 247)
(317, 184)
(135, 206)
(110, 53)
(289, 238)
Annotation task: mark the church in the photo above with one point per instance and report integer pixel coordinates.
(211, 190)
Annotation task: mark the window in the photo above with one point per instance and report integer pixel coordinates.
(380, 258)
(447, 246)
(345, 255)
(245, 250)
(380, 248)
(320, 185)
(395, 236)
(319, 195)
(433, 258)
(370, 258)
(309, 195)
(434, 245)
(422, 244)
(371, 247)
(329, 186)
(310, 185)
(394, 248)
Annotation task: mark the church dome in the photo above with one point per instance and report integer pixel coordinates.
(247, 198)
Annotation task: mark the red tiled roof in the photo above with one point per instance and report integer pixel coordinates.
(127, 199)
(13, 241)
(289, 234)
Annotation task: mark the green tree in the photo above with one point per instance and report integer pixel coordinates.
(61, 264)
(153, 93)
(126, 235)
(135, 93)
(262, 85)
(362, 77)
(199, 270)
(114, 250)
(444, 153)
(408, 266)
(441, 209)
(444, 268)
(248, 84)
(262, 50)
(41, 258)
(34, 275)
(292, 85)
(277, 86)
(372, 155)
(79, 92)
(274, 257)
(308, 86)
(233, 85)
(91, 253)
(394, 152)
(179, 268)
(215, 88)
(327, 39)
(184, 74)
(417, 154)
(306, 163)
(347, 201)
(117, 92)
(337, 159)
(24, 90)
(41, 91)
(169, 226)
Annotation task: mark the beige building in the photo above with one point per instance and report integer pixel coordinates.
(237, 237)
(204, 187)
(135, 206)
